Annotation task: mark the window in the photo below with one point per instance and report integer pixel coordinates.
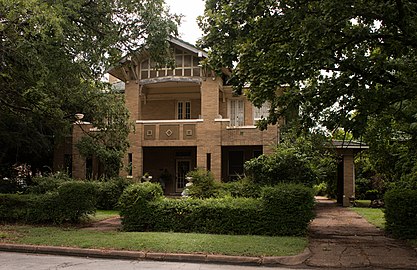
(236, 112)
(186, 64)
(184, 110)
(262, 112)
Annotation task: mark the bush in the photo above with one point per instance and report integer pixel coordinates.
(75, 200)
(362, 185)
(71, 202)
(284, 210)
(10, 186)
(284, 166)
(320, 189)
(289, 208)
(204, 185)
(401, 212)
(135, 208)
(241, 188)
(109, 192)
(42, 185)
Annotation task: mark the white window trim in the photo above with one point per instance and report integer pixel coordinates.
(229, 112)
(264, 110)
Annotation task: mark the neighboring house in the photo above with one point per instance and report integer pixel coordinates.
(184, 118)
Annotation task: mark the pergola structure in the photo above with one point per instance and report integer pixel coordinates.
(346, 169)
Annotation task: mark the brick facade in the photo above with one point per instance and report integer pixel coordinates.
(182, 121)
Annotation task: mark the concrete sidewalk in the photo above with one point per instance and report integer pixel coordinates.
(340, 238)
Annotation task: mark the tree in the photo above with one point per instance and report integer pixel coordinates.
(52, 56)
(341, 63)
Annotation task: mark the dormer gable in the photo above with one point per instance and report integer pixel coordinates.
(140, 67)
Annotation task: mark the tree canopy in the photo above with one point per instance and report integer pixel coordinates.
(342, 63)
(52, 57)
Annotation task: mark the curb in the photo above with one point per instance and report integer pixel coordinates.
(156, 256)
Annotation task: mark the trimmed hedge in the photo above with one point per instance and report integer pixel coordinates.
(71, 202)
(401, 212)
(109, 192)
(281, 210)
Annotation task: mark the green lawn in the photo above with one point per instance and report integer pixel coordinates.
(102, 215)
(156, 242)
(374, 216)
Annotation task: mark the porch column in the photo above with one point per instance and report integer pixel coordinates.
(78, 161)
(348, 177)
(215, 159)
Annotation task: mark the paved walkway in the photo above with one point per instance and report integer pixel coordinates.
(340, 238)
(111, 224)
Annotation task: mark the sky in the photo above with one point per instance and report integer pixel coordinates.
(188, 30)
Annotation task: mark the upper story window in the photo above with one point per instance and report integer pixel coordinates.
(184, 110)
(262, 112)
(236, 112)
(186, 64)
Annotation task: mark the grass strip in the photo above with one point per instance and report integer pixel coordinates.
(102, 215)
(374, 216)
(245, 245)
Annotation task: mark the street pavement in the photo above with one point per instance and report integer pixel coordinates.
(21, 261)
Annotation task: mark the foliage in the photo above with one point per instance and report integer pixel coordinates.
(341, 62)
(204, 185)
(45, 184)
(53, 55)
(11, 186)
(297, 159)
(242, 188)
(401, 212)
(109, 192)
(289, 208)
(71, 202)
(282, 210)
(320, 189)
(133, 205)
(109, 143)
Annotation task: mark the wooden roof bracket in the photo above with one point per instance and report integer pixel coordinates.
(125, 74)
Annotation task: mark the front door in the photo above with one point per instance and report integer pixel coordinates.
(183, 166)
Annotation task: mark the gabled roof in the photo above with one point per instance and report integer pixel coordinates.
(175, 41)
(187, 46)
(340, 144)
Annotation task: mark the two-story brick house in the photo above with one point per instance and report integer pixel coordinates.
(184, 118)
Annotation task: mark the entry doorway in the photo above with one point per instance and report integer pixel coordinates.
(183, 166)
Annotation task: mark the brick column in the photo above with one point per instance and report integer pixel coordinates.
(348, 178)
(78, 161)
(209, 132)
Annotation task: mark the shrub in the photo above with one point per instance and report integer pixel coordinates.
(242, 188)
(42, 185)
(75, 200)
(204, 185)
(273, 214)
(135, 205)
(401, 212)
(10, 186)
(109, 192)
(289, 208)
(71, 202)
(320, 189)
(284, 166)
(13, 207)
